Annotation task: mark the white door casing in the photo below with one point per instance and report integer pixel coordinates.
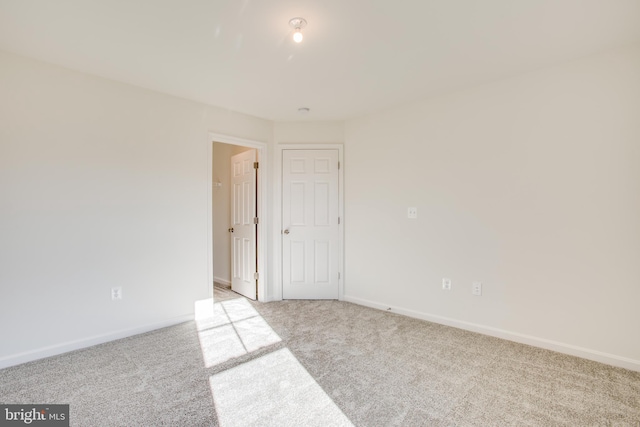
(310, 224)
(243, 228)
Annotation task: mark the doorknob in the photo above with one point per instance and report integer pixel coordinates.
(231, 230)
(286, 231)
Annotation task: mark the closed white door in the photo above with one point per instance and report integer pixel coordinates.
(310, 224)
(243, 228)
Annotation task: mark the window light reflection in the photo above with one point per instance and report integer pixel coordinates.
(273, 390)
(230, 329)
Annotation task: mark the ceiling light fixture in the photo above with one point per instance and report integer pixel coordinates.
(297, 24)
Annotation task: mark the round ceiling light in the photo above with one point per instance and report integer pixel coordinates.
(297, 24)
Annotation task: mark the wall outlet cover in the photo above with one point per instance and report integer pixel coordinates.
(116, 293)
(476, 288)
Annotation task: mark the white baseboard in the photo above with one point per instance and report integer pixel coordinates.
(585, 353)
(221, 281)
(56, 349)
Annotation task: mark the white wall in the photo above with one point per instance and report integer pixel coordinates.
(530, 185)
(101, 184)
(308, 132)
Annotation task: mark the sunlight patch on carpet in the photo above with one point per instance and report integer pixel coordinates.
(230, 329)
(273, 390)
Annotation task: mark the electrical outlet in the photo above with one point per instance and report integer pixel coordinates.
(476, 288)
(412, 213)
(116, 293)
(446, 284)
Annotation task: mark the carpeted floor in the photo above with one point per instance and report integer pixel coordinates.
(323, 363)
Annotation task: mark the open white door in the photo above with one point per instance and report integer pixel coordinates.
(310, 224)
(243, 228)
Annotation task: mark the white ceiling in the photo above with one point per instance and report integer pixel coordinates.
(358, 56)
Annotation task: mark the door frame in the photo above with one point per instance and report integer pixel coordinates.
(262, 204)
(277, 207)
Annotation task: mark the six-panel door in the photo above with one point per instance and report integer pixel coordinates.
(310, 224)
(243, 229)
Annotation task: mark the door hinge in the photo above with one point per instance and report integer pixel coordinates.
(255, 165)
(338, 220)
(256, 220)
(338, 275)
(338, 165)
(256, 275)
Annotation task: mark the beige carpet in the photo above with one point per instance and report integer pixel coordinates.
(323, 363)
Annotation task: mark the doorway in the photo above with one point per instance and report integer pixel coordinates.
(221, 254)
